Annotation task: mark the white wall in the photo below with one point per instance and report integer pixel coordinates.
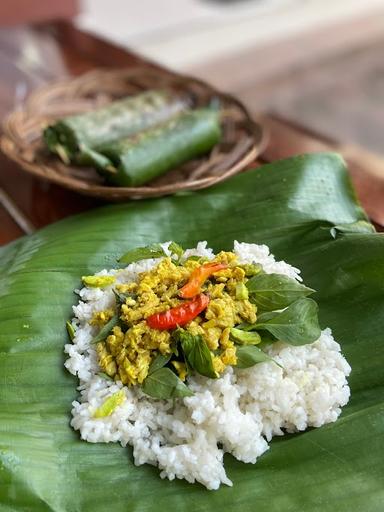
(184, 34)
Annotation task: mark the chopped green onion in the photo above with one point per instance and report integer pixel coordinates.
(98, 281)
(110, 404)
(245, 337)
(70, 330)
(241, 291)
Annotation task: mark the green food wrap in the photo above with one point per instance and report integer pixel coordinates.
(75, 138)
(150, 154)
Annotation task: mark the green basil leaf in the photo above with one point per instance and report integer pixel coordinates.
(275, 291)
(70, 330)
(106, 329)
(163, 383)
(266, 341)
(197, 354)
(245, 337)
(142, 253)
(159, 361)
(263, 317)
(296, 325)
(176, 249)
(248, 356)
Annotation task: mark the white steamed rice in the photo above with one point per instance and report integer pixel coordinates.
(241, 411)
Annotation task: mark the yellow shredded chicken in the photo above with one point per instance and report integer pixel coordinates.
(181, 369)
(100, 318)
(127, 353)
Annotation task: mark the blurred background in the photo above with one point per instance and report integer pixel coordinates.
(318, 63)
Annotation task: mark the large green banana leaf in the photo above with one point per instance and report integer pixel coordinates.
(293, 206)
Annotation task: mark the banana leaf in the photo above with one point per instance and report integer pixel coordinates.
(305, 209)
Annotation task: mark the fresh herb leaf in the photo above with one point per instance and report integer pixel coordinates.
(241, 291)
(248, 356)
(159, 361)
(110, 404)
(296, 325)
(197, 354)
(106, 329)
(142, 253)
(70, 330)
(244, 337)
(266, 341)
(264, 317)
(98, 281)
(275, 291)
(176, 249)
(163, 383)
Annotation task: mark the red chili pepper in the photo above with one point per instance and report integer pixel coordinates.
(198, 277)
(180, 315)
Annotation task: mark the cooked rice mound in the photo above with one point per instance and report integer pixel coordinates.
(238, 413)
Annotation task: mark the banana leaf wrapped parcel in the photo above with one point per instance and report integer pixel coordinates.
(136, 160)
(75, 138)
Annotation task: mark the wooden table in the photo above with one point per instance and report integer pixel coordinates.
(30, 57)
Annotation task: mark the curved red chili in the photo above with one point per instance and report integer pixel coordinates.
(179, 315)
(198, 277)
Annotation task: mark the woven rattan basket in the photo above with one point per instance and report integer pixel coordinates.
(242, 140)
